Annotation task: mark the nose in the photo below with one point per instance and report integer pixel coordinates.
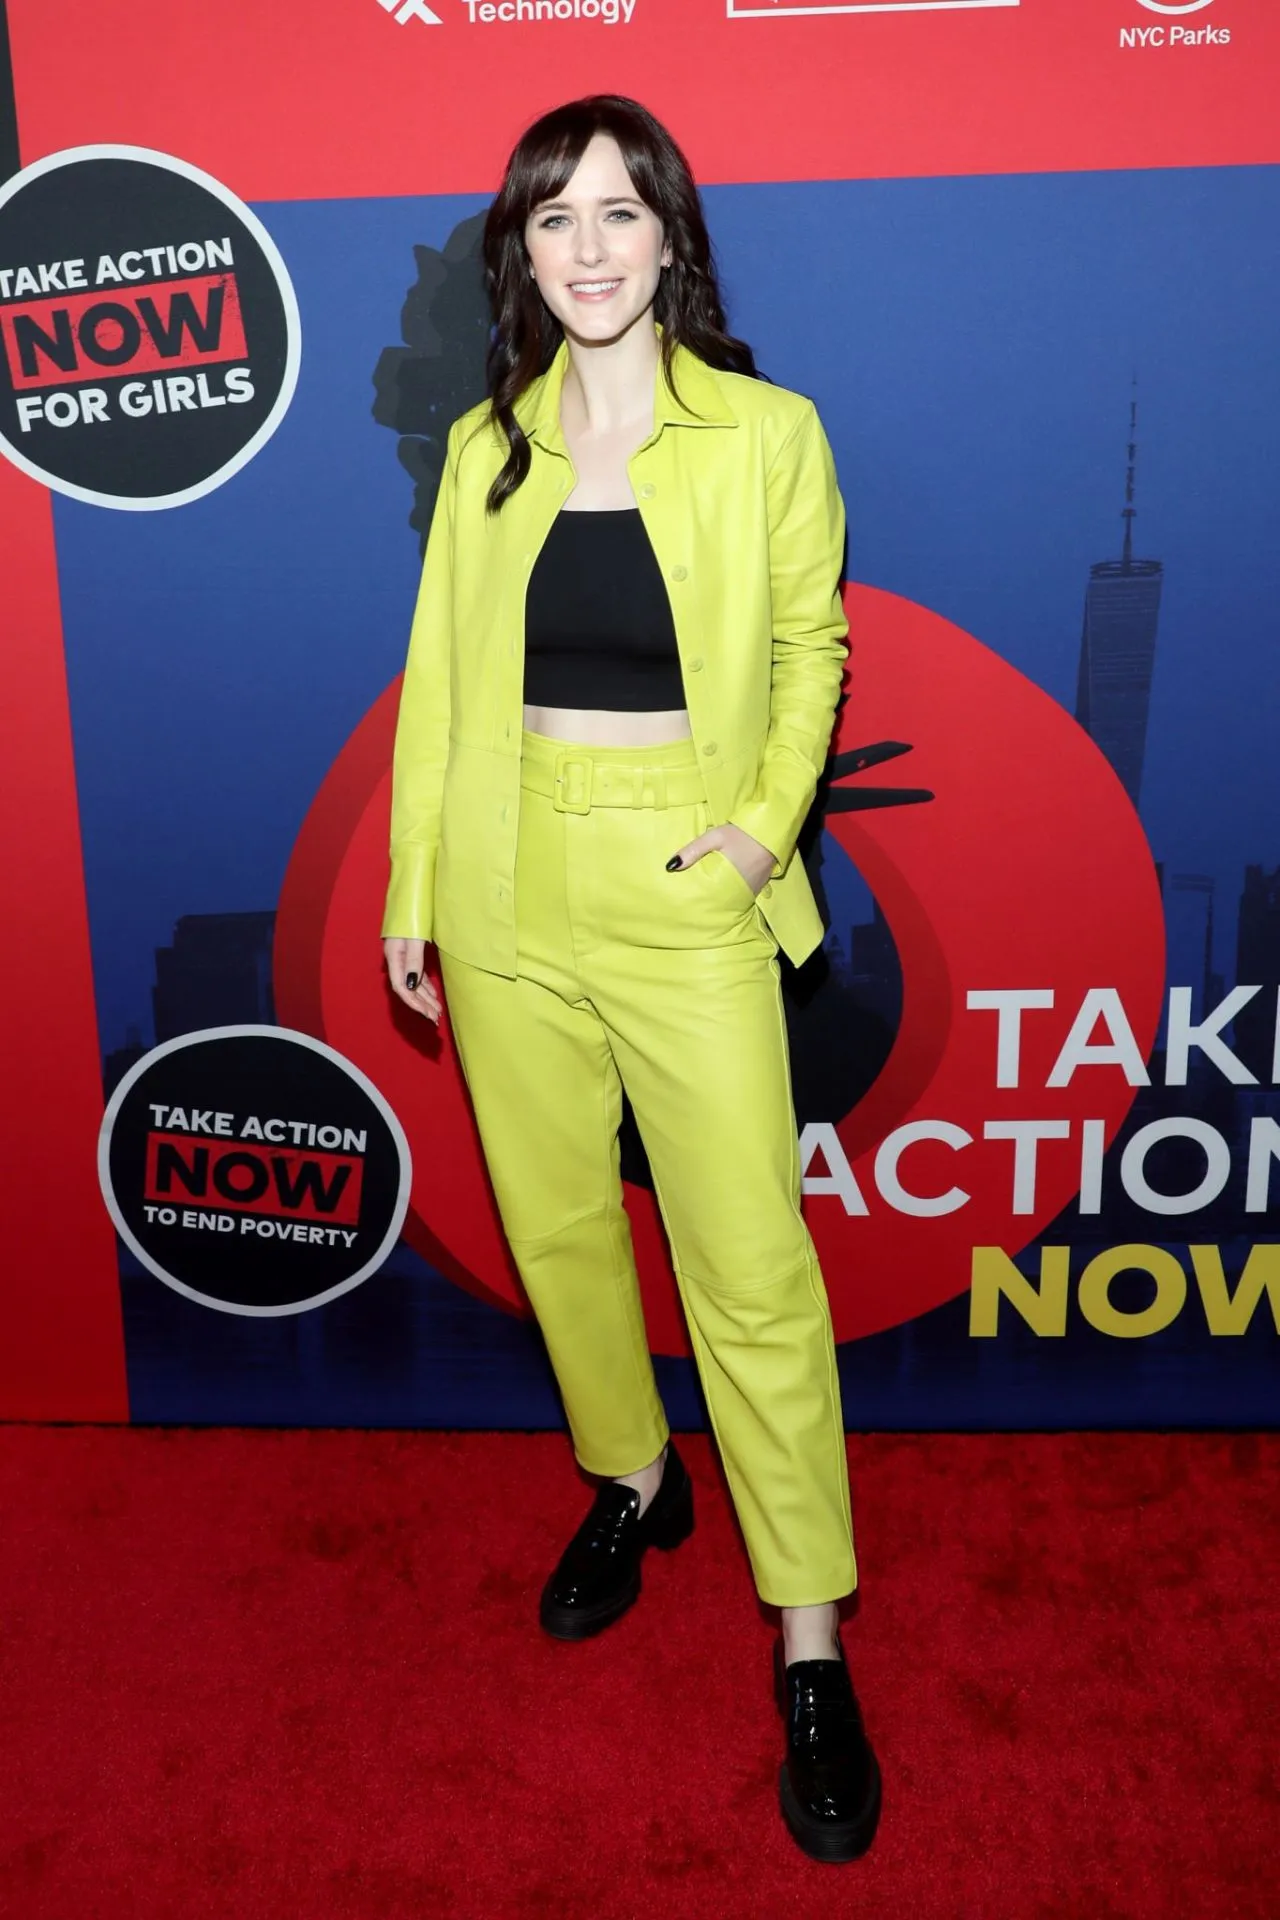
(590, 250)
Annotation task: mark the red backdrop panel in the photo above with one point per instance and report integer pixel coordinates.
(62, 1355)
(334, 98)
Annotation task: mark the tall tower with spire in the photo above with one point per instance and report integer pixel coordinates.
(1118, 644)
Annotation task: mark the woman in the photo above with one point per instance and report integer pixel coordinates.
(622, 674)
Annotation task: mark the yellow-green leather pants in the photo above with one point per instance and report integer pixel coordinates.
(667, 984)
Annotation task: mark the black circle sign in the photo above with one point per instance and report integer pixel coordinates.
(253, 1169)
(149, 333)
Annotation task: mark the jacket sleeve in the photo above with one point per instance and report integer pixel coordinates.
(810, 629)
(422, 729)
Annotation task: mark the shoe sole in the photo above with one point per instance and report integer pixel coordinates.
(823, 1841)
(576, 1623)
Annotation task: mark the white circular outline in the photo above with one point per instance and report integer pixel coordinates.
(362, 1080)
(293, 326)
(1163, 6)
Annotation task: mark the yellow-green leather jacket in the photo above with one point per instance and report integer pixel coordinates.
(737, 491)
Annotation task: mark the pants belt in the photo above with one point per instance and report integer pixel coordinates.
(577, 782)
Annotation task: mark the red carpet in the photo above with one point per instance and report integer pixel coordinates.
(296, 1676)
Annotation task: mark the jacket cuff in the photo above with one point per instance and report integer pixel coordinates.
(410, 908)
(775, 813)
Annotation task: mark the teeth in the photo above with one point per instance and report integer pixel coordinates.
(593, 286)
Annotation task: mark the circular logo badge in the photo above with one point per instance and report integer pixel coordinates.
(254, 1169)
(149, 332)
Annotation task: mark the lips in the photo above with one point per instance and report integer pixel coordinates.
(593, 290)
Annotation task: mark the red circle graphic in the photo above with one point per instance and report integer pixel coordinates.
(1028, 869)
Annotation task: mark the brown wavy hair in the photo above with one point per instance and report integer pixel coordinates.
(526, 334)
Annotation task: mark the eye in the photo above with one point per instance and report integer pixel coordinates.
(550, 219)
(624, 213)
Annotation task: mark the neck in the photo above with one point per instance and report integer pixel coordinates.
(609, 384)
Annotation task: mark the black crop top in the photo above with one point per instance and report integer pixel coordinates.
(598, 627)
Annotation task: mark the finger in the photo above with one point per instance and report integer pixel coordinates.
(404, 958)
(427, 991)
(427, 1002)
(688, 854)
(416, 1003)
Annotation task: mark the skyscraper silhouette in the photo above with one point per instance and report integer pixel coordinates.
(1258, 964)
(1118, 645)
(1188, 925)
(217, 973)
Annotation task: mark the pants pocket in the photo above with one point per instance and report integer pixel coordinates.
(725, 877)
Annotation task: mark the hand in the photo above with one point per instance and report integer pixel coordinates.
(409, 981)
(754, 862)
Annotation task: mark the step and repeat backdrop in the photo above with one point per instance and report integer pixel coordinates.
(1023, 256)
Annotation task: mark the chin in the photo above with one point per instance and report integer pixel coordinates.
(598, 325)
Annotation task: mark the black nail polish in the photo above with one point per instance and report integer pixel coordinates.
(411, 981)
(673, 863)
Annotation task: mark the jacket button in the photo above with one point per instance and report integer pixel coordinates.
(695, 665)
(710, 747)
(679, 573)
(648, 490)
(766, 891)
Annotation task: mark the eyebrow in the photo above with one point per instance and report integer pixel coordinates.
(605, 200)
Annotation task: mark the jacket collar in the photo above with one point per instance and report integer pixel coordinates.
(701, 403)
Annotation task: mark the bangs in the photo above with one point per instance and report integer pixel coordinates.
(549, 156)
(548, 168)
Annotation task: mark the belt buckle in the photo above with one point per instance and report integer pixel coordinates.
(573, 783)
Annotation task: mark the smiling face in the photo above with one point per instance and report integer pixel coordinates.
(596, 249)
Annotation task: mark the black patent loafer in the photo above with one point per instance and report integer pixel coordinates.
(829, 1784)
(598, 1577)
